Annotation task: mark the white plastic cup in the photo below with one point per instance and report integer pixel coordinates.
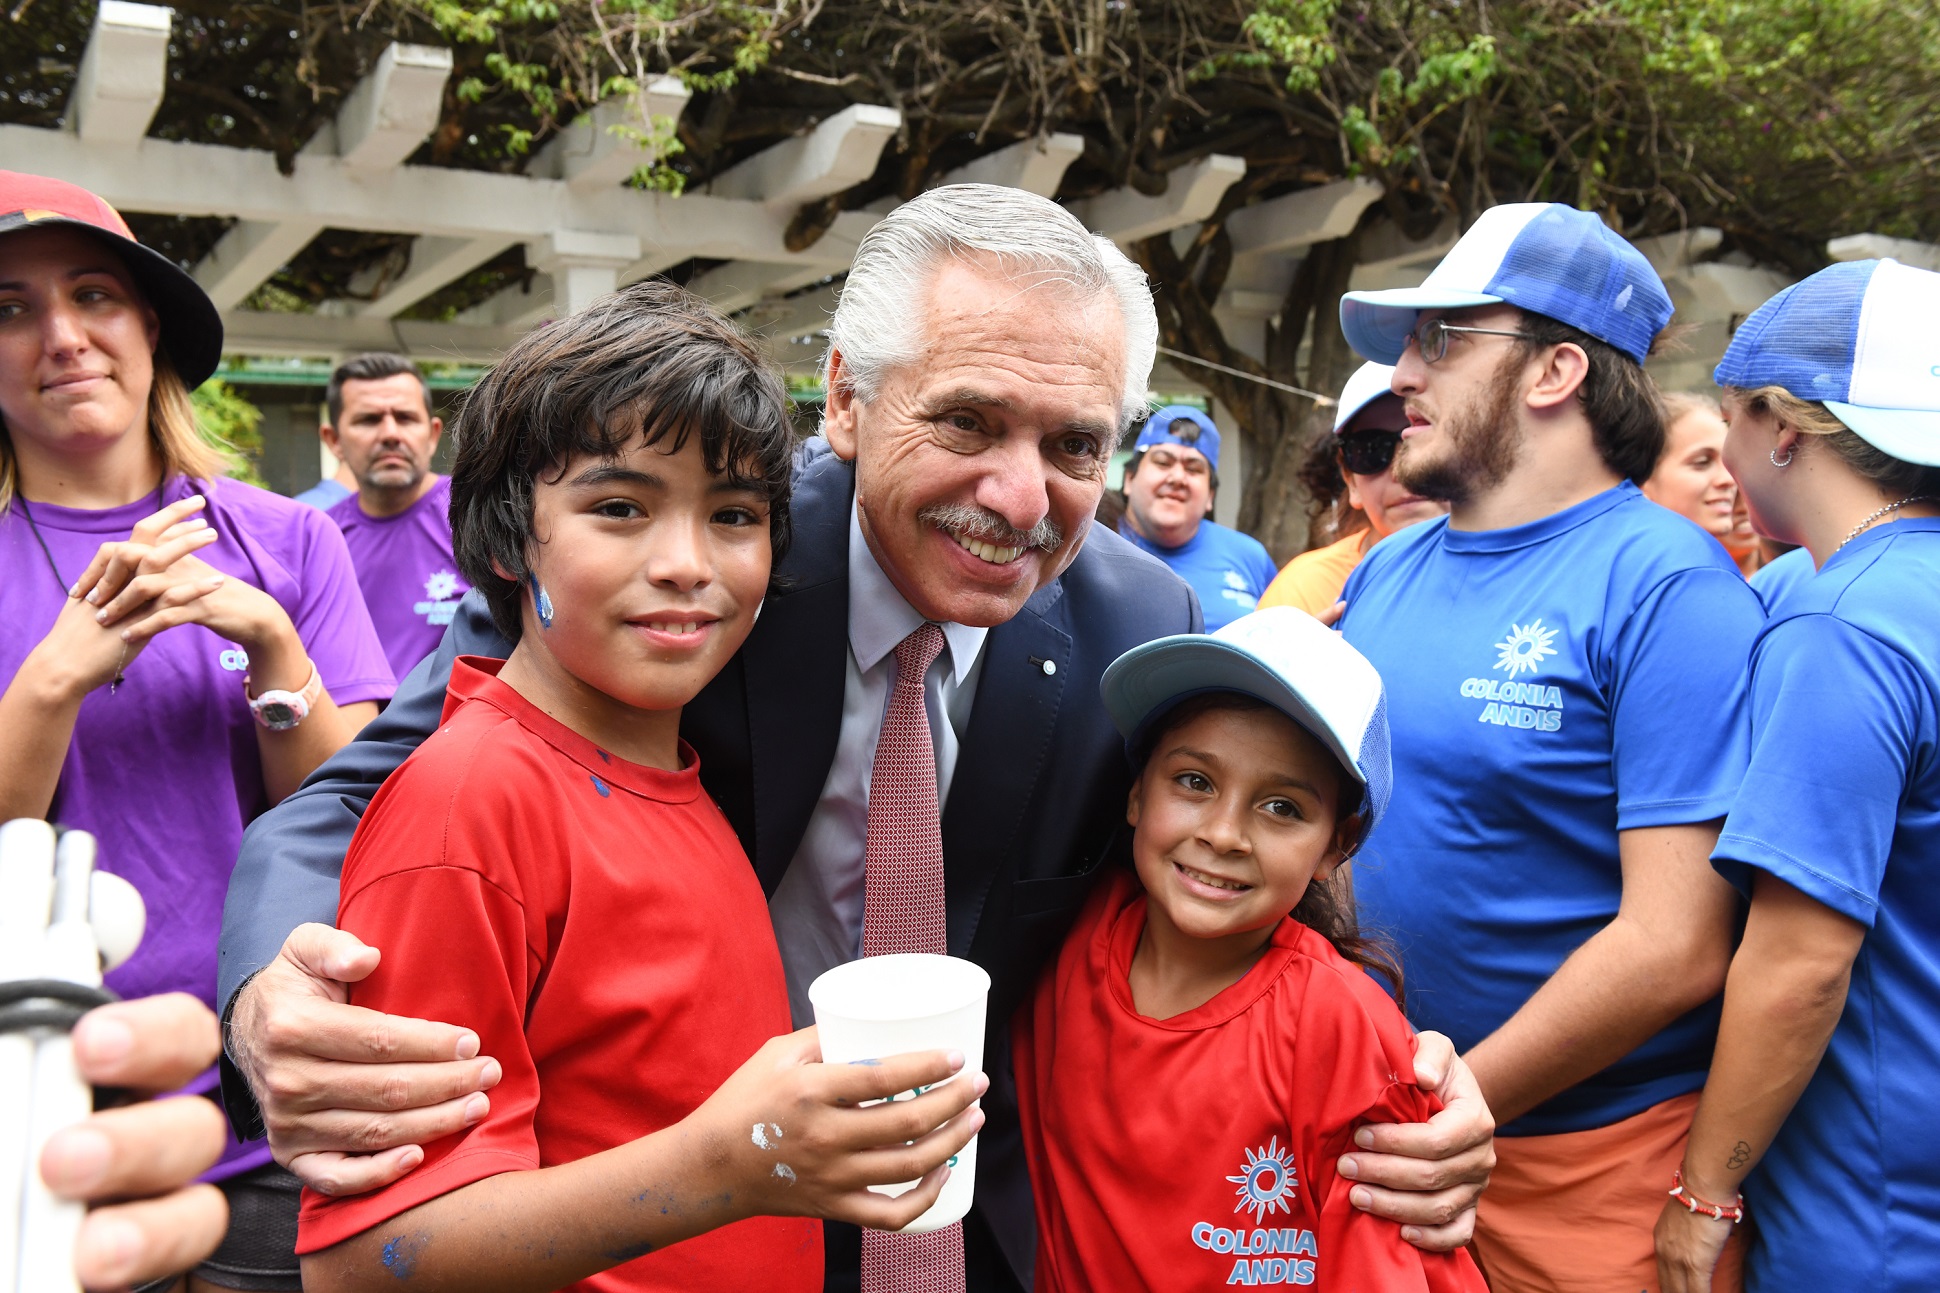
(891, 1005)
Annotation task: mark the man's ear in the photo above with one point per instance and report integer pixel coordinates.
(437, 431)
(331, 440)
(1133, 800)
(1560, 378)
(839, 409)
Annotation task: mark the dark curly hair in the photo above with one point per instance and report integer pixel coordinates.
(651, 360)
(1329, 515)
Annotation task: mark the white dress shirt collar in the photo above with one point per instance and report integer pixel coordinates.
(880, 617)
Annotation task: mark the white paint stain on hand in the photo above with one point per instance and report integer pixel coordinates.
(763, 1133)
(785, 1172)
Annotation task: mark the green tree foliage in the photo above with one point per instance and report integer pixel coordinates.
(233, 425)
(1781, 122)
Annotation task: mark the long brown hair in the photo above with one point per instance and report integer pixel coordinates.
(1327, 908)
(172, 429)
(1889, 474)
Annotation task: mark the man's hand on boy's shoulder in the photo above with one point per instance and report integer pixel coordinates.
(1428, 1175)
(349, 1095)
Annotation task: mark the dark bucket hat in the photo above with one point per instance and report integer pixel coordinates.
(191, 326)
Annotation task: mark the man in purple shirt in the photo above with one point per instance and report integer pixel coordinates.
(398, 522)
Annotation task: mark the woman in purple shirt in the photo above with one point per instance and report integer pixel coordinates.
(178, 651)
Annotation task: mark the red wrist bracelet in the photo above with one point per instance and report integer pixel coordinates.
(1733, 1212)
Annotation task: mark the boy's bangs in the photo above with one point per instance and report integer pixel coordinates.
(744, 433)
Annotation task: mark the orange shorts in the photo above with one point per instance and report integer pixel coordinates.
(1575, 1212)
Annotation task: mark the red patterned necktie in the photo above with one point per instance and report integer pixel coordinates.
(902, 911)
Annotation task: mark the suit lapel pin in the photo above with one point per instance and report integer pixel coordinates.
(1049, 667)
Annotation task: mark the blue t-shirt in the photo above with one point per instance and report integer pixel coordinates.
(1228, 570)
(1775, 580)
(1842, 802)
(324, 495)
(1548, 685)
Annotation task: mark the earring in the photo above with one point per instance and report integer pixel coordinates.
(1773, 455)
(542, 603)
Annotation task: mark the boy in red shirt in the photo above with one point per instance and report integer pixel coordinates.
(546, 869)
(1196, 1062)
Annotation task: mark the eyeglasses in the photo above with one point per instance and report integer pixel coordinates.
(1431, 336)
(1368, 453)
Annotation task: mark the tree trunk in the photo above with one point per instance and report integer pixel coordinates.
(1276, 427)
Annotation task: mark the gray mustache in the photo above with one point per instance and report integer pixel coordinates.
(967, 520)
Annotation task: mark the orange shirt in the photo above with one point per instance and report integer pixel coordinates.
(1313, 580)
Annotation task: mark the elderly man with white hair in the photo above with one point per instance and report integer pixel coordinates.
(943, 592)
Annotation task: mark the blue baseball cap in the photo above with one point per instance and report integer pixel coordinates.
(1158, 430)
(1542, 257)
(1857, 338)
(1283, 657)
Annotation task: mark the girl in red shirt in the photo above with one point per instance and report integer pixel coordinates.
(1197, 1060)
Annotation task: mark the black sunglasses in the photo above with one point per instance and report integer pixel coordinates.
(1368, 453)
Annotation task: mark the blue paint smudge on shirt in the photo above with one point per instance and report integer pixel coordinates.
(599, 785)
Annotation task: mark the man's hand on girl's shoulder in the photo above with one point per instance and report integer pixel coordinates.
(1428, 1175)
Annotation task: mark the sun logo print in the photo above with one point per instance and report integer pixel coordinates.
(1266, 1182)
(442, 586)
(1525, 649)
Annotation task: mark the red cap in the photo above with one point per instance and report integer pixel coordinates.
(190, 324)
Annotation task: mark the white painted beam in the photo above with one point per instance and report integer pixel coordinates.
(388, 115)
(582, 265)
(1126, 216)
(1868, 246)
(1301, 219)
(255, 333)
(248, 254)
(838, 154)
(802, 315)
(1721, 290)
(170, 177)
(1672, 253)
(1389, 258)
(1034, 165)
(595, 152)
(740, 284)
(518, 307)
(434, 263)
(123, 74)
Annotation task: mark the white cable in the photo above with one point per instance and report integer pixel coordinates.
(1325, 401)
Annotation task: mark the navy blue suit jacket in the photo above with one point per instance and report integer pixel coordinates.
(1035, 804)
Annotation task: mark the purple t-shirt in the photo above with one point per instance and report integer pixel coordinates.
(164, 771)
(405, 567)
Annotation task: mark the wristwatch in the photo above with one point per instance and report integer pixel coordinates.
(279, 711)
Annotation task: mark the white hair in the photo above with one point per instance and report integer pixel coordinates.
(876, 318)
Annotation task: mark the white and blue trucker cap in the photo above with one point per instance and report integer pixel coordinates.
(1368, 384)
(1283, 657)
(1858, 338)
(1543, 257)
